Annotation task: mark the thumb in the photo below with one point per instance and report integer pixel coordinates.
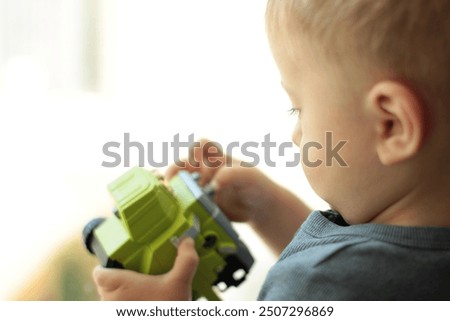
(186, 263)
(108, 279)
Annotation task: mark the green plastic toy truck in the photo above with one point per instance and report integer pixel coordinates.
(151, 218)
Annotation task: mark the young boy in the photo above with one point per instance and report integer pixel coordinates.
(374, 74)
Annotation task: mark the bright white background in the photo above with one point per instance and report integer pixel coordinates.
(94, 70)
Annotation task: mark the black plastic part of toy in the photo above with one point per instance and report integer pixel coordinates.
(227, 274)
(95, 247)
(210, 241)
(88, 232)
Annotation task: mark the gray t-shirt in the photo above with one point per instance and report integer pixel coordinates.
(329, 260)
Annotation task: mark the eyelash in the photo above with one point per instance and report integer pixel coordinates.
(294, 112)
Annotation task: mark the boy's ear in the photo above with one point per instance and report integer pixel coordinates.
(400, 121)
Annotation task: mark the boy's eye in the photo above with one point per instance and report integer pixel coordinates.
(294, 111)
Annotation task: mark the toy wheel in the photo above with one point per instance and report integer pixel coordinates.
(88, 233)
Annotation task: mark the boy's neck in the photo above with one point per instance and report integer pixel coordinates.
(427, 205)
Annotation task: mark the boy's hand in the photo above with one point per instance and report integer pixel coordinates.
(245, 194)
(241, 192)
(175, 285)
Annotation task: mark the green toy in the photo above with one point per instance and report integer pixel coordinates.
(150, 220)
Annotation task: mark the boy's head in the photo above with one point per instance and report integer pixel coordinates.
(374, 74)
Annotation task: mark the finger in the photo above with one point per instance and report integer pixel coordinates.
(111, 279)
(205, 157)
(206, 173)
(186, 262)
(181, 165)
(236, 191)
(212, 158)
(229, 177)
(197, 153)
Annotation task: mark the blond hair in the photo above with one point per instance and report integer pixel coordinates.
(410, 39)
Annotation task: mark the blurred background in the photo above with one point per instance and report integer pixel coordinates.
(75, 74)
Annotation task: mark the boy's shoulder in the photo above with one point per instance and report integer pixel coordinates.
(329, 261)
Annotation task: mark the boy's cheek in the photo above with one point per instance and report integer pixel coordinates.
(317, 179)
(297, 133)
